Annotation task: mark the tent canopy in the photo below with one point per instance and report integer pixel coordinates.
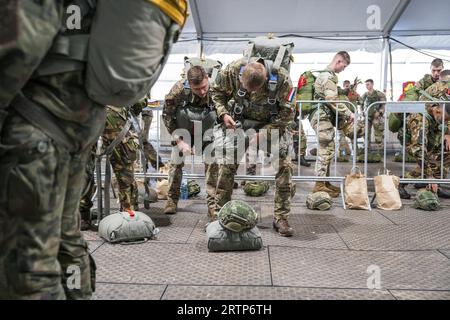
(319, 26)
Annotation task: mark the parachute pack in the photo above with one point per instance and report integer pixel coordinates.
(186, 115)
(122, 62)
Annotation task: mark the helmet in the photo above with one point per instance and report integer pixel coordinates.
(256, 188)
(319, 201)
(426, 200)
(236, 215)
(193, 188)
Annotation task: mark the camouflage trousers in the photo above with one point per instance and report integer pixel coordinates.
(325, 132)
(176, 177)
(43, 253)
(283, 177)
(378, 130)
(122, 159)
(151, 155)
(89, 187)
(434, 162)
(300, 144)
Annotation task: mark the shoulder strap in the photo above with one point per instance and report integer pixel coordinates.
(118, 139)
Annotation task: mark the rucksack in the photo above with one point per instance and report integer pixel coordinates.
(122, 60)
(410, 93)
(305, 90)
(274, 53)
(211, 66)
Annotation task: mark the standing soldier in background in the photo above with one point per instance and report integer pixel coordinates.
(375, 120)
(48, 126)
(184, 103)
(299, 146)
(433, 133)
(323, 120)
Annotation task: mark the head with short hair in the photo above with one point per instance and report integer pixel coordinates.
(198, 81)
(369, 84)
(254, 76)
(444, 75)
(346, 84)
(440, 111)
(437, 65)
(340, 61)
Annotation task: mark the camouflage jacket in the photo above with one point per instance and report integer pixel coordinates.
(431, 137)
(225, 90)
(437, 90)
(369, 98)
(176, 98)
(425, 82)
(326, 88)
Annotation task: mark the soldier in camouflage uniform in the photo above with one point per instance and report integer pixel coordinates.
(325, 88)
(299, 148)
(48, 126)
(375, 115)
(253, 97)
(432, 135)
(197, 98)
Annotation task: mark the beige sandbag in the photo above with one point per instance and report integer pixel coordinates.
(356, 195)
(162, 185)
(386, 190)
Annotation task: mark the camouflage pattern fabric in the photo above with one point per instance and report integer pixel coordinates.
(193, 188)
(89, 187)
(426, 200)
(323, 119)
(426, 81)
(122, 157)
(377, 123)
(41, 181)
(237, 215)
(175, 99)
(226, 88)
(256, 188)
(319, 201)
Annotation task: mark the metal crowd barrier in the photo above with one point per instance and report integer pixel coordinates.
(404, 107)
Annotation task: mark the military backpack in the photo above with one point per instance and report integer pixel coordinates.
(256, 188)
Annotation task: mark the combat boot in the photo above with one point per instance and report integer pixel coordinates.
(332, 187)
(420, 185)
(402, 191)
(321, 186)
(283, 228)
(303, 162)
(442, 193)
(171, 206)
(85, 220)
(212, 214)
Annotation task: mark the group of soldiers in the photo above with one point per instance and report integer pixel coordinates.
(49, 126)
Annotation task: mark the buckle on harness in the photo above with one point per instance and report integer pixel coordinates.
(241, 93)
(271, 101)
(238, 109)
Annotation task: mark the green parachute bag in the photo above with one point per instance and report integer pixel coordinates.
(426, 200)
(319, 201)
(256, 188)
(193, 188)
(305, 91)
(371, 158)
(394, 122)
(237, 215)
(127, 227)
(398, 157)
(222, 239)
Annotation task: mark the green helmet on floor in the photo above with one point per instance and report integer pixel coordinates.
(193, 188)
(426, 200)
(256, 188)
(319, 201)
(237, 215)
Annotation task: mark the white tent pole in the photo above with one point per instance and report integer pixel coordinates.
(384, 64)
